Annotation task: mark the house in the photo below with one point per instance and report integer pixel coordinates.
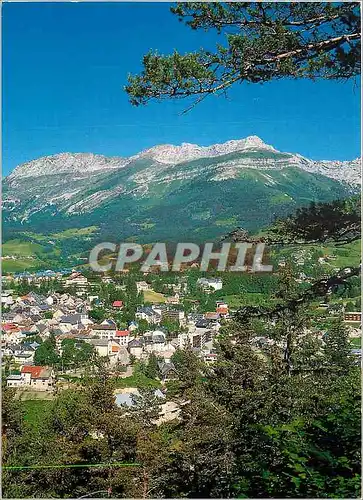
(107, 279)
(173, 315)
(7, 298)
(77, 280)
(58, 314)
(14, 381)
(167, 371)
(167, 352)
(123, 357)
(103, 347)
(117, 353)
(38, 377)
(222, 308)
(133, 326)
(154, 341)
(23, 354)
(135, 348)
(20, 319)
(103, 331)
(142, 286)
(149, 314)
(202, 323)
(109, 322)
(173, 300)
(42, 329)
(73, 320)
(209, 357)
(211, 316)
(207, 283)
(123, 337)
(353, 317)
(118, 304)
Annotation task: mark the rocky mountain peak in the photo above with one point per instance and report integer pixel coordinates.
(171, 154)
(77, 163)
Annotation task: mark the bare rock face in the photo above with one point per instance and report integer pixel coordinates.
(67, 184)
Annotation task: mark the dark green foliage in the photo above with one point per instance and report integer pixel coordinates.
(97, 314)
(76, 354)
(46, 354)
(337, 345)
(339, 220)
(262, 41)
(152, 369)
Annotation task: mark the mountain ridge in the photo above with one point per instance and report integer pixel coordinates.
(144, 198)
(170, 154)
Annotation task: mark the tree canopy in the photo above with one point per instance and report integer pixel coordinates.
(260, 42)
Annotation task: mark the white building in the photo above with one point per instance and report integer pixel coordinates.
(142, 286)
(215, 283)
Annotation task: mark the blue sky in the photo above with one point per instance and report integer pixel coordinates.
(65, 64)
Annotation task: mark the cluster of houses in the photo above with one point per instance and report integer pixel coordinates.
(33, 318)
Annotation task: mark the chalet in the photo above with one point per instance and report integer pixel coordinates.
(167, 371)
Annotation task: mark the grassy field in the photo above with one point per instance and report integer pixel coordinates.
(346, 255)
(20, 265)
(356, 342)
(74, 233)
(21, 248)
(28, 255)
(153, 297)
(245, 299)
(36, 411)
(341, 256)
(138, 380)
(62, 235)
(30, 395)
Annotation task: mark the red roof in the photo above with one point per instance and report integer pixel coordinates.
(118, 303)
(8, 326)
(34, 371)
(122, 333)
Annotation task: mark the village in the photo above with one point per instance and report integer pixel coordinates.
(64, 320)
(60, 328)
